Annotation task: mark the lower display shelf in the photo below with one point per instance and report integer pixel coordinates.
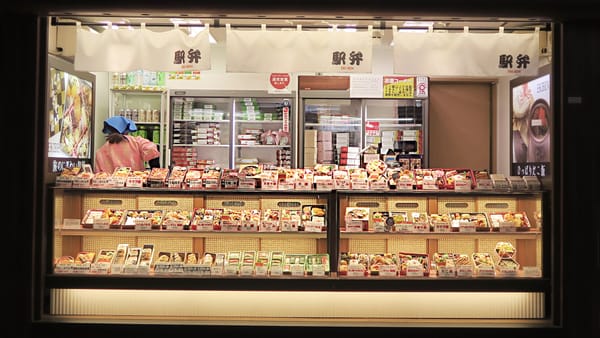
(331, 282)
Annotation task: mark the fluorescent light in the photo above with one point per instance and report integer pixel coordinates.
(418, 24)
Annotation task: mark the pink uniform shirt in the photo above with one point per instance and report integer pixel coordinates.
(132, 152)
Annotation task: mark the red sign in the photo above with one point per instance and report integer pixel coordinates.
(280, 80)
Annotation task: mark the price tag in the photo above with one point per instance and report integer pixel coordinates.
(342, 183)
(484, 184)
(289, 225)
(442, 227)
(71, 223)
(276, 270)
(246, 270)
(143, 224)
(354, 226)
(421, 227)
(318, 270)
(101, 223)
(501, 185)
(100, 268)
(173, 225)
(356, 270)
(297, 269)
(129, 268)
(269, 226)
(80, 182)
(430, 186)
(303, 185)
(285, 185)
(231, 270)
(467, 227)
(63, 268)
(359, 184)
(134, 182)
(310, 226)
(532, 271)
(249, 226)
(446, 271)
(101, 182)
(260, 270)
(267, 184)
(462, 185)
(326, 184)
(507, 271)
(505, 226)
(378, 185)
(162, 268)
(486, 271)
(195, 184)
(216, 270)
(176, 267)
(414, 270)
(404, 184)
(464, 271)
(247, 183)
(404, 227)
(388, 270)
(229, 226)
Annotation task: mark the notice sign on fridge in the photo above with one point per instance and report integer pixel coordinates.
(279, 83)
(399, 87)
(531, 115)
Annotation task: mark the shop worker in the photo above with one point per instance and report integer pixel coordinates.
(121, 149)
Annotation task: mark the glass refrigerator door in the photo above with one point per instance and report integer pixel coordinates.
(263, 132)
(333, 132)
(200, 131)
(397, 129)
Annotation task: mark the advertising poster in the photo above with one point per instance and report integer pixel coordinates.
(531, 117)
(70, 120)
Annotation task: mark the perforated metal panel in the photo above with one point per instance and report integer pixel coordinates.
(456, 204)
(231, 244)
(496, 204)
(290, 246)
(288, 202)
(410, 204)
(367, 245)
(457, 245)
(235, 202)
(58, 208)
(58, 245)
(165, 202)
(114, 201)
(407, 245)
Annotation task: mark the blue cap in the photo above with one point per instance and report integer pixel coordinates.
(120, 123)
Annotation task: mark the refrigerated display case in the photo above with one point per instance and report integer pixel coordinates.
(349, 129)
(146, 106)
(231, 129)
(354, 265)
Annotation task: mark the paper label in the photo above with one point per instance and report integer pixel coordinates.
(464, 271)
(101, 223)
(71, 223)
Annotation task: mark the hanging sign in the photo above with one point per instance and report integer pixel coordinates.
(127, 50)
(466, 54)
(264, 51)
